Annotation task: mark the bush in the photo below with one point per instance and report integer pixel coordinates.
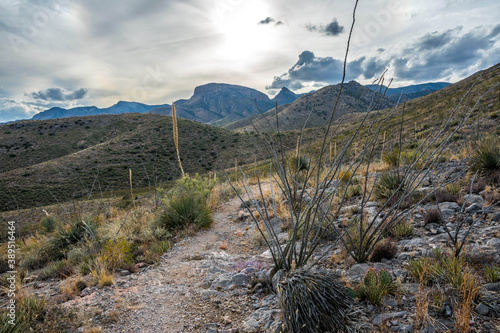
(486, 158)
(60, 269)
(117, 253)
(49, 223)
(315, 302)
(384, 250)
(388, 184)
(185, 210)
(432, 215)
(402, 229)
(299, 164)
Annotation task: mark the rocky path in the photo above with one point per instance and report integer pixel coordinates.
(180, 294)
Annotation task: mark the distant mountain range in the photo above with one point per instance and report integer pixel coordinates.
(314, 109)
(118, 108)
(221, 104)
(410, 92)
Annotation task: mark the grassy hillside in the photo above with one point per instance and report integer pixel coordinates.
(68, 156)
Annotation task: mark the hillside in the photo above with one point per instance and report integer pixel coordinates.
(66, 156)
(218, 101)
(410, 92)
(316, 107)
(118, 108)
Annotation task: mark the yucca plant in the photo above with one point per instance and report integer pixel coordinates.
(486, 158)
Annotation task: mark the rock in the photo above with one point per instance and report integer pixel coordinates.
(474, 198)
(240, 279)
(141, 265)
(482, 309)
(381, 318)
(448, 209)
(124, 272)
(492, 287)
(496, 217)
(474, 208)
(261, 318)
(242, 215)
(493, 242)
(415, 242)
(222, 281)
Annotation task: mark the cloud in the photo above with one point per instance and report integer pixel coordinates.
(331, 29)
(269, 20)
(11, 109)
(311, 70)
(58, 94)
(441, 55)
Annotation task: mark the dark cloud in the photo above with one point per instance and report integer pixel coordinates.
(437, 56)
(58, 94)
(269, 20)
(331, 29)
(309, 70)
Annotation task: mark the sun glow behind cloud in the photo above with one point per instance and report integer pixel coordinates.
(242, 38)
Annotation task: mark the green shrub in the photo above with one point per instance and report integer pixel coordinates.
(59, 269)
(160, 247)
(388, 184)
(29, 310)
(301, 163)
(486, 158)
(49, 223)
(402, 229)
(376, 286)
(185, 210)
(116, 253)
(491, 273)
(420, 269)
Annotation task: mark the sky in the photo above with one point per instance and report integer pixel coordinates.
(70, 53)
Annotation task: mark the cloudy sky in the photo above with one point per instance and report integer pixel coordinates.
(92, 52)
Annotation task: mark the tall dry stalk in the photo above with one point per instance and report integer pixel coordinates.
(176, 137)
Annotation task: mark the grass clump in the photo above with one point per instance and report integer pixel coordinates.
(402, 230)
(389, 184)
(491, 273)
(300, 163)
(49, 223)
(486, 159)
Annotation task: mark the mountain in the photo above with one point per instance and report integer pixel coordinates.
(219, 101)
(314, 109)
(410, 92)
(285, 96)
(118, 108)
(62, 158)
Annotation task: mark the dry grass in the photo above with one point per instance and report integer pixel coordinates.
(422, 316)
(101, 273)
(72, 287)
(467, 292)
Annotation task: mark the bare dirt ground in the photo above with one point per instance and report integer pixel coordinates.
(170, 297)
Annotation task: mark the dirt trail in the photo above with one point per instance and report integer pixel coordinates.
(170, 297)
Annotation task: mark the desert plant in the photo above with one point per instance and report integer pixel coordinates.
(28, 311)
(384, 250)
(403, 229)
(185, 210)
(315, 302)
(117, 253)
(376, 286)
(59, 269)
(421, 269)
(101, 274)
(48, 223)
(390, 184)
(486, 158)
(300, 163)
(432, 215)
(491, 273)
